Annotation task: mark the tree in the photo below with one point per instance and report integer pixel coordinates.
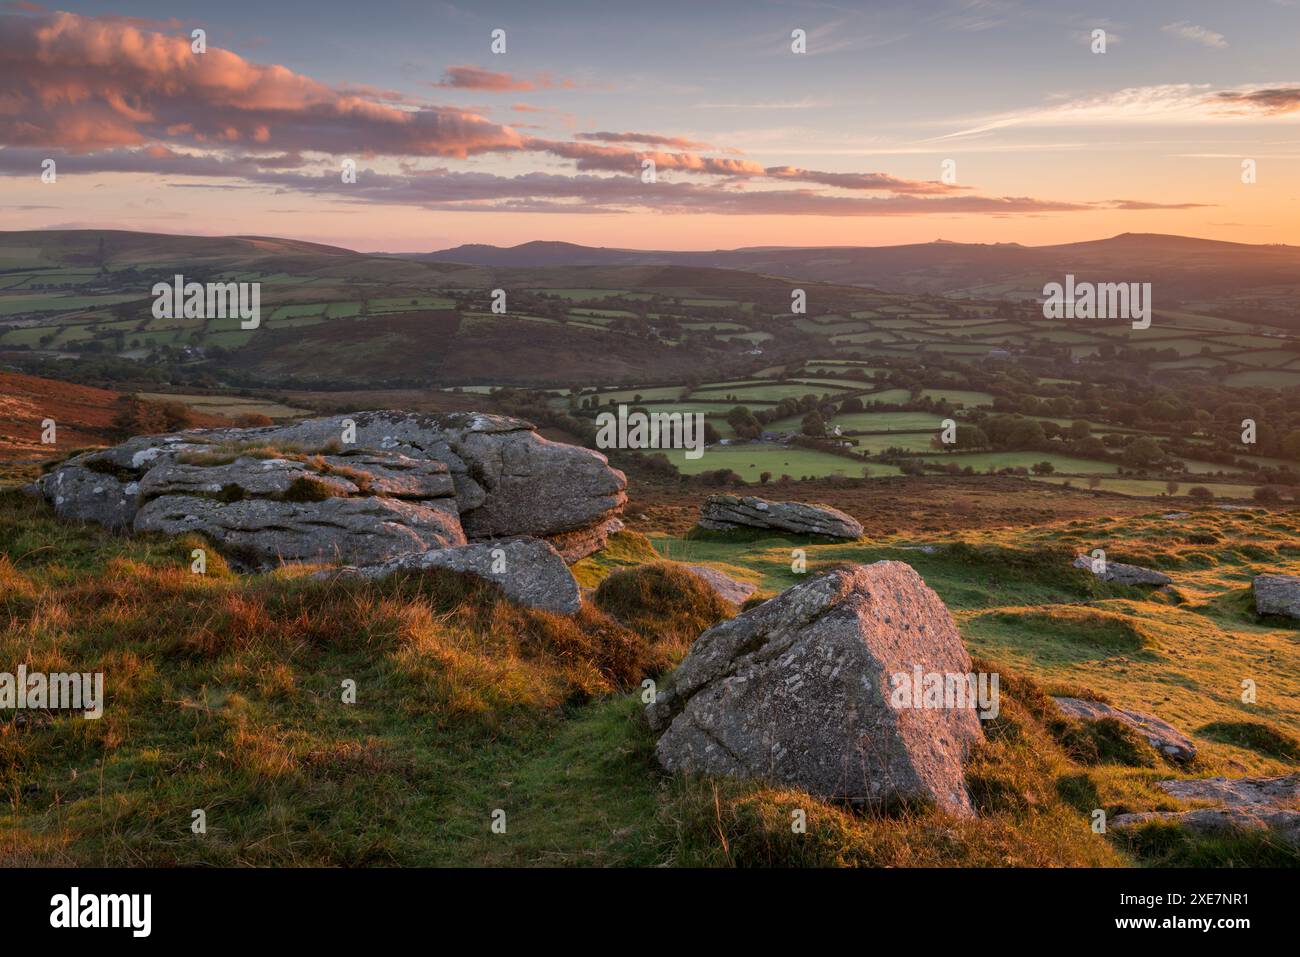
(1291, 445)
(1171, 488)
(743, 423)
(764, 477)
(971, 437)
(1200, 493)
(1043, 468)
(1144, 452)
(1094, 481)
(814, 424)
(1267, 495)
(1013, 432)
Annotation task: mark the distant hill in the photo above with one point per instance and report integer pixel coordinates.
(1181, 268)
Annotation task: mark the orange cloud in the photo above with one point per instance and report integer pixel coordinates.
(83, 83)
(477, 78)
(1284, 99)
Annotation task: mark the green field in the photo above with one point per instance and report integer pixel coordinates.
(751, 460)
(962, 397)
(887, 421)
(981, 461)
(772, 392)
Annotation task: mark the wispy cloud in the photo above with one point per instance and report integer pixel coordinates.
(1168, 103)
(1196, 34)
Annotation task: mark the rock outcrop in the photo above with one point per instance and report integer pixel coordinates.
(527, 570)
(729, 512)
(1245, 804)
(1164, 737)
(1122, 574)
(1281, 823)
(363, 488)
(1277, 595)
(801, 691)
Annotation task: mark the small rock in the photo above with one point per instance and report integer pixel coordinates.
(1285, 824)
(726, 587)
(1165, 738)
(1123, 574)
(1279, 792)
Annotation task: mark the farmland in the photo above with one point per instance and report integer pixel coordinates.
(880, 372)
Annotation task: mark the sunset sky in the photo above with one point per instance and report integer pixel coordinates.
(753, 144)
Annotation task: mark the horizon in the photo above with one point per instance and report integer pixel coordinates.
(529, 242)
(753, 143)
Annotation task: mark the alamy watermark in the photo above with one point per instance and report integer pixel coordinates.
(55, 691)
(214, 300)
(934, 690)
(1107, 300)
(651, 430)
(75, 909)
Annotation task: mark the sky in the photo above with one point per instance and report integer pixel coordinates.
(665, 125)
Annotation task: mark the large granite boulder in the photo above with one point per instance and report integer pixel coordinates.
(527, 570)
(729, 512)
(1161, 735)
(1120, 573)
(1277, 595)
(362, 488)
(801, 691)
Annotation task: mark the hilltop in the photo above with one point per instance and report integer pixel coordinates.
(1183, 267)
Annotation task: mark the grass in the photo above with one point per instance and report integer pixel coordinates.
(224, 693)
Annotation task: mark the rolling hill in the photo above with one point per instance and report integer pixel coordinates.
(1181, 269)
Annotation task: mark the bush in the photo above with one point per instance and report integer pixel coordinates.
(1267, 494)
(141, 417)
(253, 420)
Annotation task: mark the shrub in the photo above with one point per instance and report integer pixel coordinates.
(141, 417)
(252, 420)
